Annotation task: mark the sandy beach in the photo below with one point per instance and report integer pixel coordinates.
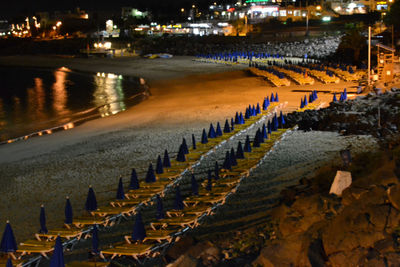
(186, 97)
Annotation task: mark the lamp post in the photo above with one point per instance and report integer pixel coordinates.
(369, 56)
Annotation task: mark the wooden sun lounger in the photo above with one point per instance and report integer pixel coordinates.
(227, 182)
(169, 175)
(181, 221)
(156, 184)
(220, 190)
(38, 243)
(80, 222)
(134, 198)
(158, 235)
(133, 250)
(233, 173)
(42, 250)
(197, 211)
(62, 232)
(105, 211)
(88, 264)
(212, 199)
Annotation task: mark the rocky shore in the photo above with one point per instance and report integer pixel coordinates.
(371, 114)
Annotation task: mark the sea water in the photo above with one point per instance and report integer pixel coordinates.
(33, 99)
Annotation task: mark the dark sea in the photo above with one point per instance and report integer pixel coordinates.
(36, 101)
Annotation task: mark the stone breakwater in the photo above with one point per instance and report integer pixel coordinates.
(378, 116)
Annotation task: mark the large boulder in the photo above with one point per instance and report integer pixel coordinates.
(282, 253)
(358, 225)
(393, 194)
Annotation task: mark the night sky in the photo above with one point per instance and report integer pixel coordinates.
(28, 7)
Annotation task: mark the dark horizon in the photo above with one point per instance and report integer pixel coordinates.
(28, 8)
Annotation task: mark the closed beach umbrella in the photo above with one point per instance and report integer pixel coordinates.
(95, 239)
(269, 127)
(160, 208)
(227, 162)
(57, 259)
(260, 136)
(8, 243)
(9, 263)
(310, 98)
(345, 94)
(185, 147)
(239, 151)
(181, 154)
(209, 181)
(120, 190)
(193, 142)
(211, 132)
(282, 121)
(68, 212)
(227, 129)
(276, 97)
(305, 101)
(237, 119)
(134, 183)
(42, 219)
(247, 114)
(247, 147)
(166, 161)
(139, 233)
(272, 97)
(216, 170)
(195, 186)
(264, 131)
(204, 139)
(91, 202)
(150, 176)
(276, 123)
(233, 158)
(256, 141)
(301, 103)
(232, 124)
(178, 203)
(159, 166)
(241, 118)
(253, 111)
(218, 131)
(265, 104)
(258, 110)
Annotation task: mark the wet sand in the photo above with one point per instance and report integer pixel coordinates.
(186, 97)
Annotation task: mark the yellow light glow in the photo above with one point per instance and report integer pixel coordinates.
(107, 45)
(182, 10)
(388, 72)
(58, 24)
(318, 7)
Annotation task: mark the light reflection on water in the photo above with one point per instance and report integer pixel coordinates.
(32, 100)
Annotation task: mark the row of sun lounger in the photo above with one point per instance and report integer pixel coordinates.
(270, 77)
(195, 206)
(297, 77)
(106, 215)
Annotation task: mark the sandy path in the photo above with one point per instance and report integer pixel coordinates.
(46, 169)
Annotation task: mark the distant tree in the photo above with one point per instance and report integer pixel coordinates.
(351, 44)
(393, 15)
